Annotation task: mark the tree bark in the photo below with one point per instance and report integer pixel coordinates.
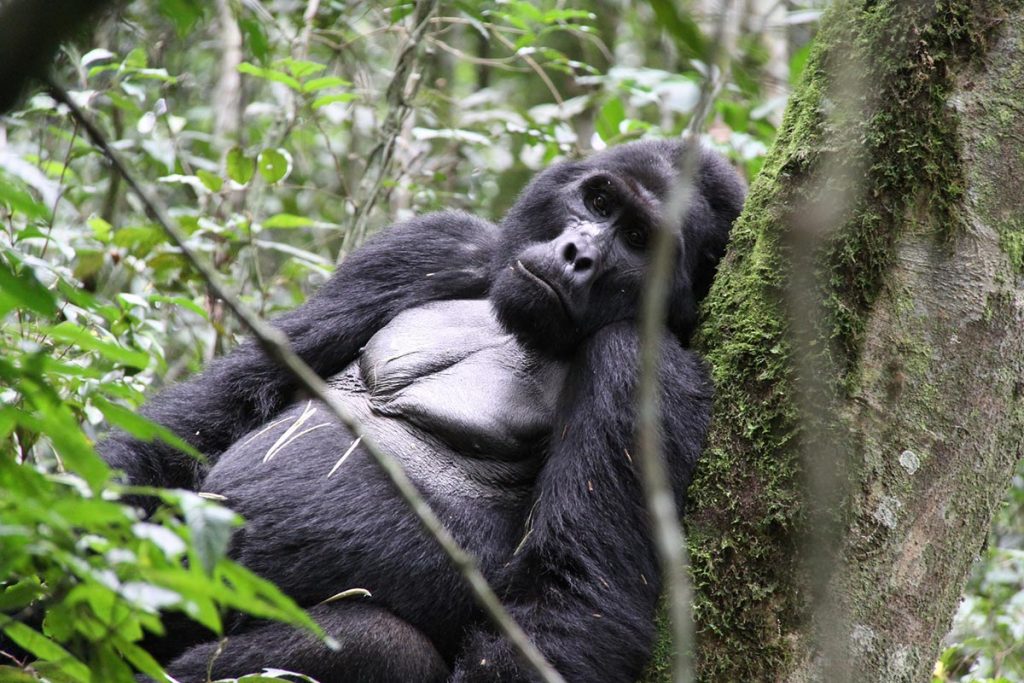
(867, 336)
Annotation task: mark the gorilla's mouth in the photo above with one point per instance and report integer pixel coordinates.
(545, 285)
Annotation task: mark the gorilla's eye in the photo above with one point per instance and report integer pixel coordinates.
(599, 203)
(635, 237)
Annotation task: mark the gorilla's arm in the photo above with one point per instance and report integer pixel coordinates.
(438, 256)
(584, 583)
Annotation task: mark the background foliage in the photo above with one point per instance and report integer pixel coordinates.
(275, 135)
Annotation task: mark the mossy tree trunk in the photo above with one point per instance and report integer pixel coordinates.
(867, 338)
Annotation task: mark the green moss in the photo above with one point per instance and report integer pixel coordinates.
(868, 137)
(1011, 240)
(660, 667)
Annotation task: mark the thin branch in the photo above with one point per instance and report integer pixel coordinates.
(404, 85)
(503, 63)
(60, 191)
(474, 23)
(666, 527)
(228, 104)
(275, 344)
(533, 65)
(308, 18)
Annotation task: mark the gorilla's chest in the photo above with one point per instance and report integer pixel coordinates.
(459, 403)
(449, 369)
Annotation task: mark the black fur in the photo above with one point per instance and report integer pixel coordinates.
(573, 559)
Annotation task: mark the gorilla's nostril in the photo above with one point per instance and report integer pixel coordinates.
(569, 253)
(583, 263)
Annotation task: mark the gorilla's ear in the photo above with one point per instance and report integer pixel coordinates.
(707, 233)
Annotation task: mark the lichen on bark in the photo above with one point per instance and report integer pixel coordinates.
(867, 320)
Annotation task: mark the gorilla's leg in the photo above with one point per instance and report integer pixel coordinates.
(376, 647)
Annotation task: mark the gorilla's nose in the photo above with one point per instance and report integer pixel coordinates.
(580, 255)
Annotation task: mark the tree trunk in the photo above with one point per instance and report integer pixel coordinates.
(867, 338)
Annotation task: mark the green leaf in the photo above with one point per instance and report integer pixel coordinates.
(136, 59)
(55, 419)
(682, 27)
(47, 650)
(139, 238)
(315, 84)
(10, 674)
(184, 13)
(101, 229)
(122, 102)
(797, 63)
(73, 334)
(202, 591)
(401, 11)
(263, 598)
(274, 165)
(16, 596)
(212, 181)
(139, 658)
(735, 115)
(268, 74)
(256, 37)
(331, 99)
(555, 16)
(287, 220)
(26, 290)
(211, 526)
(183, 302)
(612, 114)
(19, 200)
(240, 168)
(523, 12)
(307, 256)
(139, 426)
(301, 68)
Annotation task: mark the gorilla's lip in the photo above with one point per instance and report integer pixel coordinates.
(544, 284)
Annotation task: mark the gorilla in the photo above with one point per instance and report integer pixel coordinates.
(499, 365)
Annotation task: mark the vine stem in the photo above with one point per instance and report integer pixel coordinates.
(667, 528)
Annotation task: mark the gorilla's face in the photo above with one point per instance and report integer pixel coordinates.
(584, 272)
(576, 245)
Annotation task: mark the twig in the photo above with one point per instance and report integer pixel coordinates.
(275, 344)
(60, 191)
(308, 17)
(474, 23)
(533, 65)
(503, 63)
(667, 529)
